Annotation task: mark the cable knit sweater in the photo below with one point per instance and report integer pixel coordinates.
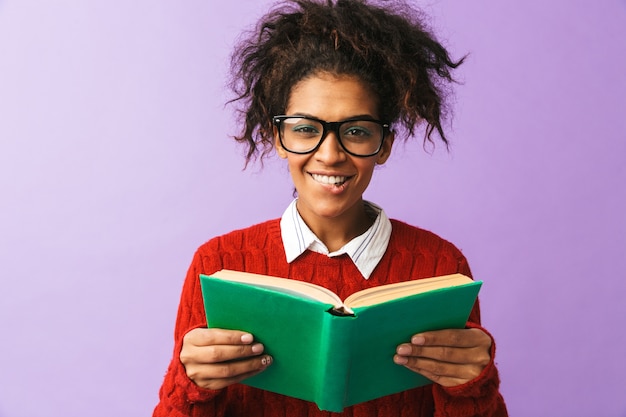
(412, 254)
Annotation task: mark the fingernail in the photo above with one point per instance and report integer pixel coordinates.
(247, 338)
(400, 360)
(403, 350)
(257, 348)
(418, 340)
(266, 360)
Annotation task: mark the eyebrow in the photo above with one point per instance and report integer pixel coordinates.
(358, 116)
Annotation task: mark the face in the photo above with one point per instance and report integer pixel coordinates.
(329, 181)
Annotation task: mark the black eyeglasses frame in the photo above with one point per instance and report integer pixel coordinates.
(327, 128)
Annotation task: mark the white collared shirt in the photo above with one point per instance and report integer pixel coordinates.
(365, 250)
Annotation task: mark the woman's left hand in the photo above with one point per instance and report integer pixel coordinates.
(447, 357)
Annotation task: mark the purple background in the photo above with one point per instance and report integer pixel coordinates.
(115, 164)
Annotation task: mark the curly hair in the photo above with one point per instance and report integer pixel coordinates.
(386, 46)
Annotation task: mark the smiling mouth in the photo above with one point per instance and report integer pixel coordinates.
(335, 180)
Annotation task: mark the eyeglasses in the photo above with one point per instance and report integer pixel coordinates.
(357, 136)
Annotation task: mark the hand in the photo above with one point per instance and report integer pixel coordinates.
(217, 358)
(447, 357)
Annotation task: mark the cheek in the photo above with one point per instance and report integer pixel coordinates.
(295, 164)
(366, 170)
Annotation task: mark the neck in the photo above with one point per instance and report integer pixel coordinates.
(337, 231)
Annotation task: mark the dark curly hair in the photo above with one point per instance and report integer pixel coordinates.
(386, 45)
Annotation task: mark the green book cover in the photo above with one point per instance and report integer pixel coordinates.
(320, 355)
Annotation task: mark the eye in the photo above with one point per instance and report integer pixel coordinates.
(303, 128)
(357, 131)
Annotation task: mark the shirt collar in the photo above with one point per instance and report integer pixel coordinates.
(365, 250)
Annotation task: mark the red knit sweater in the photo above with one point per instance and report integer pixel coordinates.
(412, 254)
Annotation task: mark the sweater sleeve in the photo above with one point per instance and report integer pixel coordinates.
(480, 396)
(179, 396)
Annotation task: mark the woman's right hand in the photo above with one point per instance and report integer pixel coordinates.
(217, 358)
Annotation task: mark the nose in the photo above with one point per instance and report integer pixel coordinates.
(330, 151)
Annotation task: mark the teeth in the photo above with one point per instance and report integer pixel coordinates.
(329, 179)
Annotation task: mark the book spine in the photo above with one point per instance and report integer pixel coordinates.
(334, 362)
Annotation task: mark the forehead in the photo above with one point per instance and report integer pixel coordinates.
(332, 97)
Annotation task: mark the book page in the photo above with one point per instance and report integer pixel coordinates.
(284, 285)
(389, 292)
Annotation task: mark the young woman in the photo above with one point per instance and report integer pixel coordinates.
(329, 86)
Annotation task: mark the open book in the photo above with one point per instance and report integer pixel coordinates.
(335, 352)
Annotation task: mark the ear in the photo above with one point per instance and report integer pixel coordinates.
(282, 153)
(385, 151)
